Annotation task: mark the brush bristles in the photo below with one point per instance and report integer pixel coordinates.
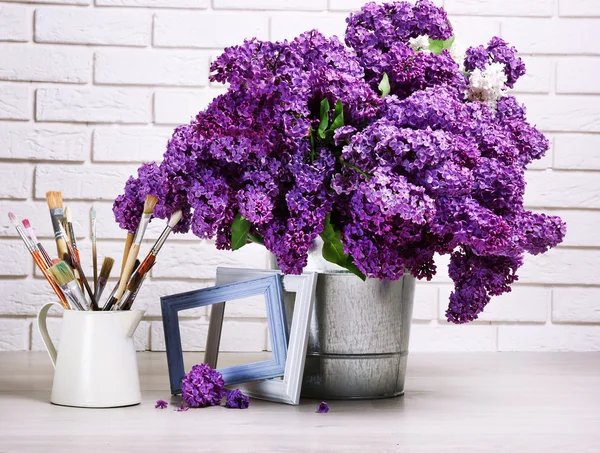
(54, 200)
(61, 273)
(13, 219)
(68, 214)
(26, 223)
(150, 204)
(175, 218)
(107, 266)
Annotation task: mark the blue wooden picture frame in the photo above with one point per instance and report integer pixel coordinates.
(272, 289)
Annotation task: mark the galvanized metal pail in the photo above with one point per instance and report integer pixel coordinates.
(359, 335)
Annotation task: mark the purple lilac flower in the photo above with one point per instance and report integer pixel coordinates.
(202, 387)
(323, 408)
(419, 172)
(237, 400)
(161, 404)
(497, 51)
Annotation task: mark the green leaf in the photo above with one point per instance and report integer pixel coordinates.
(338, 116)
(324, 117)
(437, 45)
(257, 238)
(384, 85)
(333, 249)
(239, 232)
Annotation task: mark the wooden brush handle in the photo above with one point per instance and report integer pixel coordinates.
(95, 265)
(127, 270)
(128, 243)
(61, 247)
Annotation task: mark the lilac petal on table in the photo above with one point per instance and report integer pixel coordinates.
(323, 408)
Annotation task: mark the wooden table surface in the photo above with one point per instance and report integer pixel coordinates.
(472, 402)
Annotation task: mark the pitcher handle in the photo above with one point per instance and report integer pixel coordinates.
(43, 328)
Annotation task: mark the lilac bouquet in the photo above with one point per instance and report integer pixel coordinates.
(392, 148)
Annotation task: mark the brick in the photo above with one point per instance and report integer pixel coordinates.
(473, 31)
(549, 338)
(157, 67)
(93, 105)
(579, 8)
(200, 260)
(92, 26)
(16, 181)
(573, 75)
(16, 260)
(54, 2)
(207, 30)
(581, 305)
(193, 336)
(288, 5)
(426, 302)
(14, 334)
(290, 26)
(577, 152)
(141, 336)
(188, 4)
(178, 107)
(452, 338)
(15, 102)
(541, 36)
(544, 8)
(351, 5)
(558, 189)
(243, 336)
(248, 307)
(21, 62)
(538, 78)
(130, 144)
(523, 304)
(581, 227)
(99, 182)
(562, 267)
(37, 214)
(24, 297)
(563, 113)
(54, 143)
(14, 23)
(149, 296)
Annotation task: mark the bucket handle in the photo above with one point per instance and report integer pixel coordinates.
(43, 328)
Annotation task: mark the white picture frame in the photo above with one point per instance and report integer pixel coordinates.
(285, 390)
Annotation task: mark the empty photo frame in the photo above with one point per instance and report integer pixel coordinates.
(286, 390)
(268, 285)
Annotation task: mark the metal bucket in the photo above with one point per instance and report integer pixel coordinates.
(359, 335)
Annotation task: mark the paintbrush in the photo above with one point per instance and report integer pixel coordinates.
(149, 205)
(71, 232)
(133, 288)
(36, 243)
(55, 203)
(64, 277)
(107, 265)
(112, 300)
(150, 258)
(128, 243)
(94, 251)
(77, 266)
(39, 261)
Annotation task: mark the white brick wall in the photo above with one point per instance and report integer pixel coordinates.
(89, 89)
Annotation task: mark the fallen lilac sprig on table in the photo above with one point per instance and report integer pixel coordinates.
(203, 386)
(323, 408)
(161, 404)
(237, 400)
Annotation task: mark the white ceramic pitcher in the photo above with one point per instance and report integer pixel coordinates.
(96, 364)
